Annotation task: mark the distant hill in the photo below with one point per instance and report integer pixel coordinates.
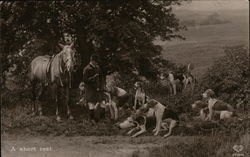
(204, 44)
(212, 19)
(222, 15)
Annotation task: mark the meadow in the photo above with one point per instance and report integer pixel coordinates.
(204, 44)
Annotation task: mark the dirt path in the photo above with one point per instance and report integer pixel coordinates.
(81, 146)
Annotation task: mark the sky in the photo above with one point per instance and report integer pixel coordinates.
(215, 5)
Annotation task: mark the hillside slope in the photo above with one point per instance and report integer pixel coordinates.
(204, 44)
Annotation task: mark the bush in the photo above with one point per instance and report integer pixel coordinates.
(229, 76)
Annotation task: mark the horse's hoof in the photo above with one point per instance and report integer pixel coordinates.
(58, 119)
(71, 117)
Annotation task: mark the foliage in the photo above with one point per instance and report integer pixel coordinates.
(121, 32)
(229, 76)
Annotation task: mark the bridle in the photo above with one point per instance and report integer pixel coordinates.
(63, 64)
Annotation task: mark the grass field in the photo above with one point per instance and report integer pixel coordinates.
(204, 44)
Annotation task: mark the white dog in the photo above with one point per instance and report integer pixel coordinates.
(162, 113)
(214, 107)
(140, 96)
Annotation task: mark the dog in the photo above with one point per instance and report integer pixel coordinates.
(188, 79)
(139, 122)
(201, 106)
(101, 106)
(216, 106)
(164, 81)
(183, 78)
(204, 111)
(175, 79)
(161, 114)
(140, 96)
(119, 98)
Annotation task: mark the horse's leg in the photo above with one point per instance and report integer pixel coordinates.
(40, 93)
(67, 97)
(34, 97)
(174, 87)
(55, 94)
(58, 98)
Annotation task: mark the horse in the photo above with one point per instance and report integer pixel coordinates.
(55, 72)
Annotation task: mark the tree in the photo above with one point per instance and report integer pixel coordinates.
(121, 32)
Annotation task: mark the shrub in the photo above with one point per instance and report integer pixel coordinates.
(229, 76)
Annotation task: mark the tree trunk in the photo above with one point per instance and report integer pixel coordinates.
(85, 51)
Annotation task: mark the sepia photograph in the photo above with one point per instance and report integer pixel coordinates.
(125, 78)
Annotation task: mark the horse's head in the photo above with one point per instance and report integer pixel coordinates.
(68, 56)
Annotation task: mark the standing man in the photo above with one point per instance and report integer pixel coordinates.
(91, 78)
